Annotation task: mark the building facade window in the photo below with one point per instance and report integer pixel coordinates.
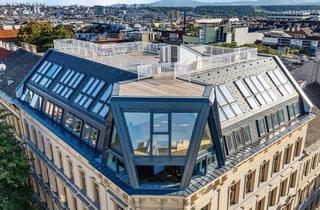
(264, 169)
(297, 147)
(273, 197)
(276, 162)
(293, 179)
(95, 188)
(262, 127)
(90, 134)
(54, 112)
(237, 139)
(250, 181)
(306, 168)
(283, 188)
(234, 193)
(82, 176)
(287, 155)
(73, 124)
(261, 204)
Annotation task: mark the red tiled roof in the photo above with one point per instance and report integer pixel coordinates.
(4, 53)
(8, 35)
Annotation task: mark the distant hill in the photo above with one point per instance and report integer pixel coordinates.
(194, 3)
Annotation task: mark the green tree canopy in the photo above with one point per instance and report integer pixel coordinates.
(15, 192)
(42, 34)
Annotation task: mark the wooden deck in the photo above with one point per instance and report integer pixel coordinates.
(161, 86)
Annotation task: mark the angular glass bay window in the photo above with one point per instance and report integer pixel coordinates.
(170, 134)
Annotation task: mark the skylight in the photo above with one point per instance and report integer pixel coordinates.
(280, 82)
(89, 92)
(68, 83)
(228, 106)
(256, 91)
(46, 74)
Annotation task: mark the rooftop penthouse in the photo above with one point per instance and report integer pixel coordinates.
(161, 119)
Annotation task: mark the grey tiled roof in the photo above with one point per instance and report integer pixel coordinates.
(18, 65)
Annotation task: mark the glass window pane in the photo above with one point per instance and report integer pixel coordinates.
(280, 76)
(281, 117)
(257, 83)
(104, 111)
(288, 88)
(230, 143)
(160, 145)
(266, 97)
(262, 127)
(229, 113)
(112, 162)
(239, 138)
(270, 123)
(106, 94)
(225, 91)
(139, 130)
(282, 90)
(273, 95)
(86, 132)
(251, 85)
(260, 99)
(221, 115)
(275, 120)
(246, 134)
(274, 78)
(243, 89)
(220, 98)
(160, 122)
(236, 108)
(93, 137)
(206, 141)
(263, 82)
(77, 126)
(252, 102)
(182, 128)
(115, 141)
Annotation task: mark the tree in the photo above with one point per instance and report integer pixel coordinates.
(15, 192)
(42, 34)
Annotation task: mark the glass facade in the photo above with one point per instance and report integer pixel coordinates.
(138, 125)
(178, 126)
(181, 132)
(160, 174)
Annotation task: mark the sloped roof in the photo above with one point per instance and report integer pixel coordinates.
(4, 53)
(8, 35)
(18, 65)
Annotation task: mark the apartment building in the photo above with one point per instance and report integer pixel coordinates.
(226, 130)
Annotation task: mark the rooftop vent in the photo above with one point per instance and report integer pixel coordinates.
(3, 67)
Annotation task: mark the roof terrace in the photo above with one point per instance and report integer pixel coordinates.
(150, 59)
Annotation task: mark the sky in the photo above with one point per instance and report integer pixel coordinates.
(91, 2)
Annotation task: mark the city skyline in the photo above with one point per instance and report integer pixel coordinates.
(98, 2)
